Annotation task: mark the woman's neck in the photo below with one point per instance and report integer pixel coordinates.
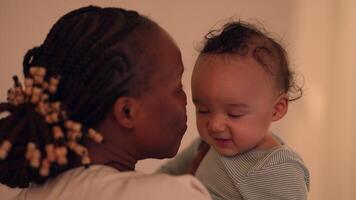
(113, 156)
(117, 149)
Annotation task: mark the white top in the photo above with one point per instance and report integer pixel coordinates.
(103, 182)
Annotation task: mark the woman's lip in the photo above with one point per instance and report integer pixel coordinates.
(184, 129)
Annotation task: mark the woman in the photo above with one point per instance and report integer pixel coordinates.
(103, 90)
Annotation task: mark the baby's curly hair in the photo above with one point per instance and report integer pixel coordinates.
(245, 39)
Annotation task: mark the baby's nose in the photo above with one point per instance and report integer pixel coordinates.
(216, 124)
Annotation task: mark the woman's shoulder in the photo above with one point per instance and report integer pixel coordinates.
(107, 183)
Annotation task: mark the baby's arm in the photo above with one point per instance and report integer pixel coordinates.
(181, 164)
(287, 180)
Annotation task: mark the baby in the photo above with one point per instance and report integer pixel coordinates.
(242, 83)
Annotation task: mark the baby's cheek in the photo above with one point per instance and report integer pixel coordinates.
(200, 126)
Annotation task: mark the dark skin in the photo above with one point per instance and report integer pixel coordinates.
(131, 130)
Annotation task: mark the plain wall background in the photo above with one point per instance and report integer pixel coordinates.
(319, 36)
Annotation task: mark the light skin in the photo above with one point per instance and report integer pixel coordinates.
(152, 123)
(236, 101)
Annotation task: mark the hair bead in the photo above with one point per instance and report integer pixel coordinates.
(85, 160)
(36, 94)
(76, 127)
(44, 170)
(31, 147)
(54, 81)
(80, 150)
(29, 82)
(28, 91)
(41, 71)
(38, 80)
(61, 155)
(57, 132)
(97, 137)
(50, 151)
(62, 160)
(35, 159)
(4, 149)
(52, 89)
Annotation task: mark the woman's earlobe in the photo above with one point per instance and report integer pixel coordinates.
(124, 111)
(280, 107)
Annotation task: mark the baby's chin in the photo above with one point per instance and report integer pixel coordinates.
(224, 147)
(227, 152)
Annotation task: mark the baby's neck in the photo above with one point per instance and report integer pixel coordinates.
(268, 142)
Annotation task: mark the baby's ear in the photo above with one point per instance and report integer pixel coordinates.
(124, 110)
(280, 107)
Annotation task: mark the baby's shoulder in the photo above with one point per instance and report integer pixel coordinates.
(269, 161)
(279, 173)
(279, 156)
(279, 165)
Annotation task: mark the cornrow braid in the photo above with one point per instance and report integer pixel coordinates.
(86, 58)
(245, 39)
(71, 82)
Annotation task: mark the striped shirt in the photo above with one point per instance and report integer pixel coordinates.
(277, 173)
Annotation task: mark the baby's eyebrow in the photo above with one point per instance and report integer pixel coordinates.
(237, 105)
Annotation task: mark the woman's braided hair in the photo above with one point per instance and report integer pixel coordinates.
(71, 82)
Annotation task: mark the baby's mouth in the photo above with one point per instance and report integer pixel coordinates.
(223, 142)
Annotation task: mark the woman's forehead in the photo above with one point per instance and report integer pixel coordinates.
(158, 60)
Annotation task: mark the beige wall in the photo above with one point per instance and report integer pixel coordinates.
(318, 34)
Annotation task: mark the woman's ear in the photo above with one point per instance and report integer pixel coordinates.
(280, 107)
(124, 110)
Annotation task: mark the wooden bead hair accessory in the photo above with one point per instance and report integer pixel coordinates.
(59, 134)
